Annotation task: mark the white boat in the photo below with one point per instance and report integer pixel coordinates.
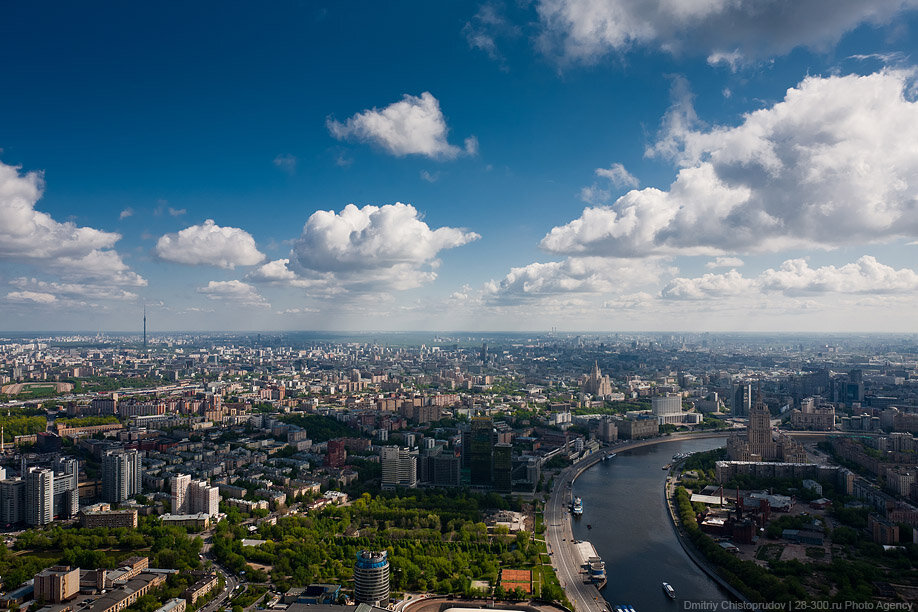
(577, 506)
(670, 591)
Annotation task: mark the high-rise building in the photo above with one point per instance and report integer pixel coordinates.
(180, 484)
(67, 488)
(203, 498)
(371, 578)
(503, 468)
(742, 399)
(399, 467)
(121, 475)
(481, 445)
(596, 383)
(667, 410)
(760, 445)
(39, 496)
(12, 501)
(438, 467)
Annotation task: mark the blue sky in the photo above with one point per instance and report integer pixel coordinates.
(585, 165)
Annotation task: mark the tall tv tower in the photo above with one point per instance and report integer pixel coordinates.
(144, 327)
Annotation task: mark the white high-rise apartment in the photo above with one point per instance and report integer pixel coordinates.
(121, 475)
(180, 484)
(204, 498)
(39, 497)
(667, 410)
(399, 467)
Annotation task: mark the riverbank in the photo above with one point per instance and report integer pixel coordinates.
(560, 533)
(689, 548)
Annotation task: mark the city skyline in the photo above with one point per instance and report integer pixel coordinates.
(477, 166)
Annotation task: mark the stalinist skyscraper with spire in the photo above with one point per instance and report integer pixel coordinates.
(596, 384)
(145, 327)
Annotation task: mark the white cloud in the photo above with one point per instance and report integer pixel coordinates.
(176, 212)
(26, 233)
(31, 296)
(234, 291)
(286, 162)
(832, 164)
(104, 267)
(594, 194)
(412, 126)
(617, 174)
(430, 177)
(574, 275)
(273, 271)
(295, 311)
(586, 30)
(372, 245)
(61, 249)
(866, 275)
(710, 285)
(127, 212)
(470, 145)
(796, 278)
(485, 27)
(210, 244)
(86, 290)
(725, 262)
(732, 59)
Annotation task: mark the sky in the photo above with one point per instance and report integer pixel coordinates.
(584, 165)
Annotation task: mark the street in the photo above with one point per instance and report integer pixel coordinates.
(559, 536)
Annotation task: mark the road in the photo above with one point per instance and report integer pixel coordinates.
(231, 580)
(222, 598)
(559, 537)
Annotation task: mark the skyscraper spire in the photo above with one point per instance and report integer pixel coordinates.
(144, 327)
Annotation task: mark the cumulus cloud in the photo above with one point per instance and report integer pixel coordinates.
(234, 291)
(833, 163)
(866, 275)
(732, 59)
(412, 126)
(586, 30)
(61, 249)
(273, 271)
(26, 233)
(796, 278)
(574, 275)
(87, 290)
(725, 262)
(709, 285)
(618, 176)
(210, 244)
(31, 296)
(372, 245)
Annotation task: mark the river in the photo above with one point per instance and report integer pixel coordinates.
(632, 532)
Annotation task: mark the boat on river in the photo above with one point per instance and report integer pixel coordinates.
(669, 590)
(577, 507)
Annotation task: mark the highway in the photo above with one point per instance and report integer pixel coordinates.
(559, 537)
(222, 598)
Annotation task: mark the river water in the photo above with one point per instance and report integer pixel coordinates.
(632, 532)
